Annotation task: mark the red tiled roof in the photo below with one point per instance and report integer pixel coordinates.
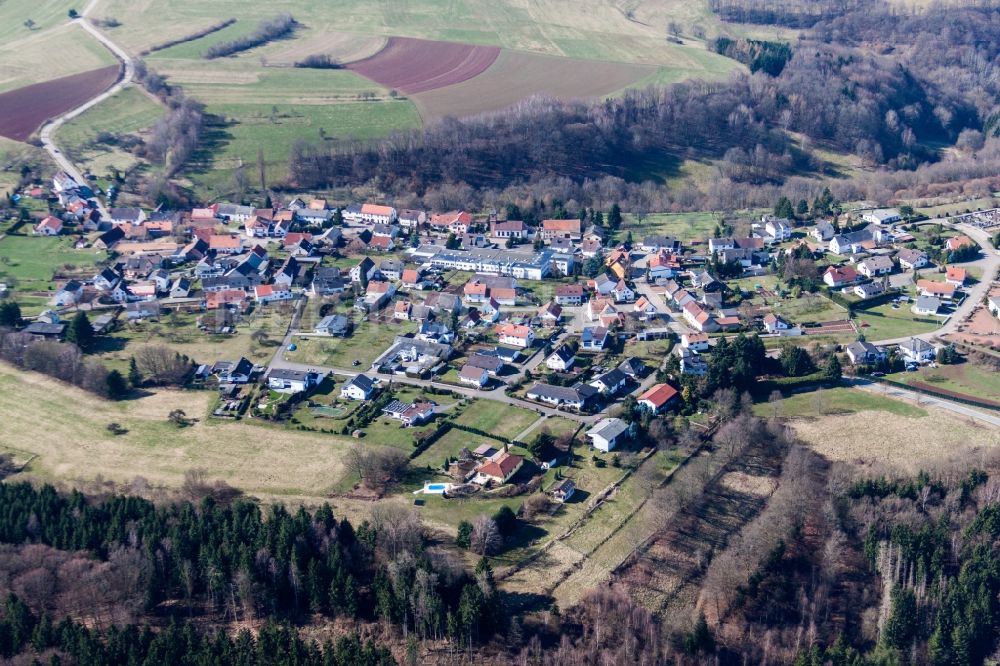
(502, 467)
(932, 287)
(659, 395)
(572, 226)
(374, 209)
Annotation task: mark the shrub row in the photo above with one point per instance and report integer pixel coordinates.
(421, 444)
(267, 30)
(190, 38)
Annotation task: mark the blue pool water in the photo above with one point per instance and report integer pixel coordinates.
(436, 486)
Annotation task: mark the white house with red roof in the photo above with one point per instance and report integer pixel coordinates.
(499, 469)
(658, 397)
(840, 276)
(268, 293)
(516, 335)
(50, 226)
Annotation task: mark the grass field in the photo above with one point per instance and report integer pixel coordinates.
(32, 261)
(127, 112)
(685, 226)
(906, 443)
(969, 378)
(367, 342)
(270, 109)
(66, 430)
(810, 308)
(49, 54)
(497, 418)
(44, 13)
(882, 322)
(180, 333)
(12, 155)
(836, 401)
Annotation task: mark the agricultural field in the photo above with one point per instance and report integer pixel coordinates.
(129, 111)
(64, 50)
(882, 322)
(518, 75)
(74, 444)
(594, 29)
(417, 65)
(426, 48)
(24, 110)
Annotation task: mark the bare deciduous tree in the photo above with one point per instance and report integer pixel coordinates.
(486, 539)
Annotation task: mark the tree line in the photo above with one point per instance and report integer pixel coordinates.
(245, 564)
(267, 30)
(64, 361)
(24, 632)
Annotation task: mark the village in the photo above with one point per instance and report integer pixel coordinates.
(375, 323)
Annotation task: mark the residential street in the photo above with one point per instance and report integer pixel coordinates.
(989, 263)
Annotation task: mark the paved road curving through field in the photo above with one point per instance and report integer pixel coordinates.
(48, 130)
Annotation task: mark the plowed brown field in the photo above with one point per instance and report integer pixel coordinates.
(22, 111)
(416, 65)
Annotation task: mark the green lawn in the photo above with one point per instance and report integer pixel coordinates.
(809, 308)
(367, 342)
(686, 226)
(835, 401)
(33, 260)
(882, 322)
(969, 378)
(497, 418)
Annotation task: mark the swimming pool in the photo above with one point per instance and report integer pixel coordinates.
(434, 488)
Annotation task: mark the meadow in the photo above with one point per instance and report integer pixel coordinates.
(882, 322)
(129, 111)
(32, 261)
(63, 431)
(41, 55)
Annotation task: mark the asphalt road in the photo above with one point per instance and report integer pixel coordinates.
(46, 134)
